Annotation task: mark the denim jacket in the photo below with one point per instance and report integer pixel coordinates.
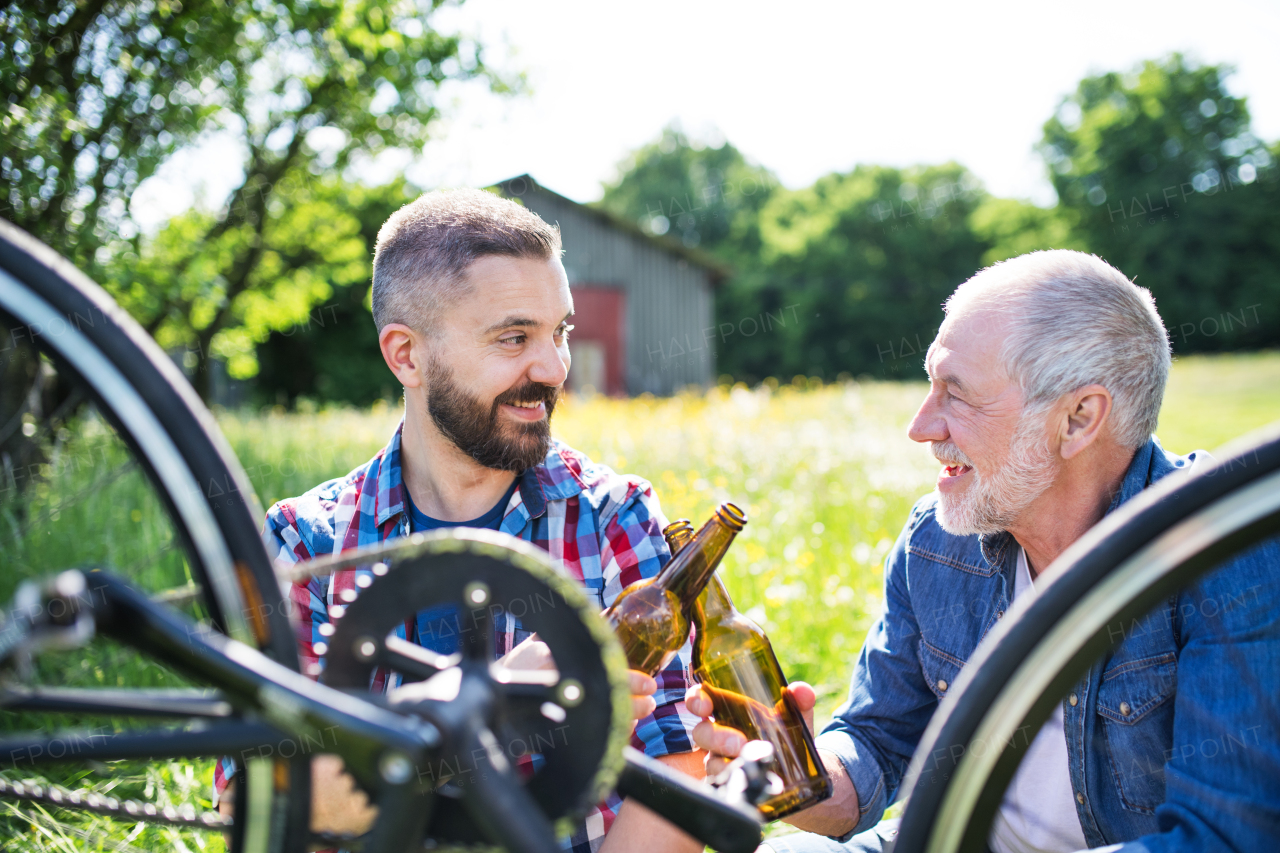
(1173, 738)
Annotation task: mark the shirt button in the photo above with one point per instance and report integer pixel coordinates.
(1080, 799)
(942, 685)
(1125, 709)
(1073, 699)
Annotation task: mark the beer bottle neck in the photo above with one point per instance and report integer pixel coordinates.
(689, 571)
(678, 534)
(716, 602)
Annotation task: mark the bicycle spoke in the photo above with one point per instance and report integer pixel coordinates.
(412, 661)
(532, 695)
(130, 703)
(178, 595)
(497, 801)
(529, 685)
(145, 744)
(476, 640)
(535, 707)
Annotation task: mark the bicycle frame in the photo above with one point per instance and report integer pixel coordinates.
(378, 746)
(381, 747)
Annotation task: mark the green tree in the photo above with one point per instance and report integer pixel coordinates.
(1014, 227)
(861, 262)
(309, 248)
(302, 88)
(333, 353)
(1159, 173)
(97, 94)
(708, 197)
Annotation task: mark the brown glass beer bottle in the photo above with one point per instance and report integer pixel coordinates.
(735, 663)
(651, 617)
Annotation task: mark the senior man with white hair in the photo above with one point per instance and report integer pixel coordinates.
(1046, 380)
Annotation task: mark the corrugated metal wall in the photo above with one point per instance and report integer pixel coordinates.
(670, 324)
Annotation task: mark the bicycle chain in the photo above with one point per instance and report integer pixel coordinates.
(92, 801)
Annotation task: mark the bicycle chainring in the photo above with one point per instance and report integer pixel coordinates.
(461, 590)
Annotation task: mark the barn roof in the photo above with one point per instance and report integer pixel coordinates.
(522, 185)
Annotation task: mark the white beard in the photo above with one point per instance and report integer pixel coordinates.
(993, 502)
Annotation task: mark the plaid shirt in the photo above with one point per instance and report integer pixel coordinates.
(602, 529)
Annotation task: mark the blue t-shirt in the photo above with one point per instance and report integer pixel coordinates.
(438, 627)
(420, 522)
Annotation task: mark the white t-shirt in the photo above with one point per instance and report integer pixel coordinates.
(1038, 813)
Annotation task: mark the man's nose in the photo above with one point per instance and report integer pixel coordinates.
(550, 365)
(928, 424)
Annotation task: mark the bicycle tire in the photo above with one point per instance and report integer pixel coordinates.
(208, 497)
(1157, 543)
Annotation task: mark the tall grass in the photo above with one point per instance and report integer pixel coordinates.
(1212, 399)
(826, 473)
(91, 506)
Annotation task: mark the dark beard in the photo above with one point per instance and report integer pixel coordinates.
(474, 429)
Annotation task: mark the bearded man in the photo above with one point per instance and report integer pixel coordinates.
(472, 306)
(1046, 380)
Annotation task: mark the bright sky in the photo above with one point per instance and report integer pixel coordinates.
(804, 88)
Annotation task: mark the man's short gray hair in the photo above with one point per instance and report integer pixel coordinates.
(424, 250)
(1077, 321)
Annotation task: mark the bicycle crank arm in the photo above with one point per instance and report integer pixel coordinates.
(695, 807)
(379, 747)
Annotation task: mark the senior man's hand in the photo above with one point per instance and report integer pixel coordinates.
(835, 816)
(723, 743)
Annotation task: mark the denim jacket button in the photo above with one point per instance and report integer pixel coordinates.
(942, 685)
(1073, 699)
(1080, 799)
(1125, 709)
(999, 614)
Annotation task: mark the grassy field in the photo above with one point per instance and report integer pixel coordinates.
(826, 473)
(826, 476)
(1214, 399)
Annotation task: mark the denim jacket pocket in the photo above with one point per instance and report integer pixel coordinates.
(940, 669)
(1136, 707)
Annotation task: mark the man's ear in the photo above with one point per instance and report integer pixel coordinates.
(1088, 409)
(402, 349)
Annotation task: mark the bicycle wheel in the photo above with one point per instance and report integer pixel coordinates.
(1158, 543)
(109, 459)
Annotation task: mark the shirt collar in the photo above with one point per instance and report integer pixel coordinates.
(532, 497)
(390, 501)
(1144, 469)
(558, 477)
(994, 546)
